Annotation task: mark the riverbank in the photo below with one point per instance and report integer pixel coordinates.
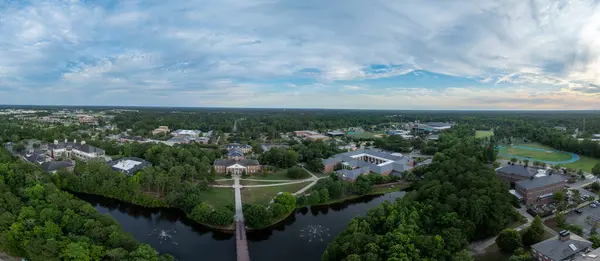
(227, 229)
(230, 229)
(377, 190)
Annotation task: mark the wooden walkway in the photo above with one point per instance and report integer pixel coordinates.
(241, 242)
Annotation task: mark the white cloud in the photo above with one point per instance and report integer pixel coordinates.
(189, 47)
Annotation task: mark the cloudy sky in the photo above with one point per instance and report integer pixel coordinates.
(432, 54)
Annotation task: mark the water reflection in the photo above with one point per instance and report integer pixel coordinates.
(302, 236)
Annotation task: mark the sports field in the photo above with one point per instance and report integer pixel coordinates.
(553, 157)
(484, 133)
(537, 152)
(584, 163)
(367, 134)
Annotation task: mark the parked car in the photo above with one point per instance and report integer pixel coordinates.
(578, 211)
(593, 205)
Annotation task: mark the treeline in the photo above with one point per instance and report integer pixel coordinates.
(178, 178)
(334, 187)
(41, 223)
(260, 216)
(459, 200)
(551, 137)
(313, 153)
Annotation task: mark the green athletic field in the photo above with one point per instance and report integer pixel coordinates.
(533, 155)
(484, 134)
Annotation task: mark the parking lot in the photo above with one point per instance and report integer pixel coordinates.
(582, 219)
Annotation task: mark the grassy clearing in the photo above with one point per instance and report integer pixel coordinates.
(219, 197)
(257, 182)
(263, 195)
(536, 155)
(277, 175)
(584, 163)
(484, 134)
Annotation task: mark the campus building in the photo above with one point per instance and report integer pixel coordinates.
(161, 130)
(73, 149)
(268, 146)
(86, 119)
(565, 247)
(237, 167)
(235, 154)
(539, 189)
(191, 133)
(352, 164)
(129, 166)
(513, 173)
(311, 135)
(241, 147)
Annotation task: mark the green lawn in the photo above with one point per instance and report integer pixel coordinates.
(263, 195)
(256, 182)
(584, 163)
(277, 175)
(550, 155)
(218, 197)
(484, 134)
(224, 182)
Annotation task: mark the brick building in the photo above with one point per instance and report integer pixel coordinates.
(512, 173)
(237, 167)
(539, 190)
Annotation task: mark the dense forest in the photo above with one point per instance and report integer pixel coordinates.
(459, 200)
(42, 223)
(178, 178)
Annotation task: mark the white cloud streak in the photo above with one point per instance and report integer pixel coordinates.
(159, 49)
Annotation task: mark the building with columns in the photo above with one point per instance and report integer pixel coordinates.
(237, 167)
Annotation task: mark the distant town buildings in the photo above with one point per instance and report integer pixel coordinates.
(268, 146)
(335, 133)
(241, 147)
(130, 165)
(67, 149)
(310, 135)
(191, 133)
(350, 165)
(565, 247)
(560, 128)
(161, 130)
(86, 119)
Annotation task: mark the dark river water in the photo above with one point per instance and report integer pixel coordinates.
(302, 236)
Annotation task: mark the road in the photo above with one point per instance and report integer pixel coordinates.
(479, 247)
